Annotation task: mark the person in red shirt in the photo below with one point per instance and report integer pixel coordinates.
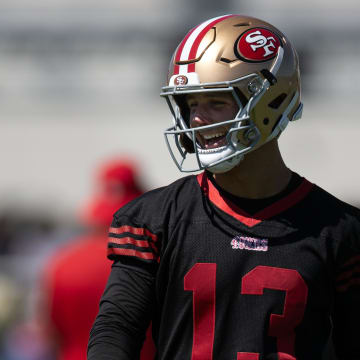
(75, 275)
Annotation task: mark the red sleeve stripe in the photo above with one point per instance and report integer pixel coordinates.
(131, 252)
(345, 287)
(351, 261)
(133, 230)
(128, 240)
(348, 274)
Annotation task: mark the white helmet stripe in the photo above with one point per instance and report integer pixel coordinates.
(191, 42)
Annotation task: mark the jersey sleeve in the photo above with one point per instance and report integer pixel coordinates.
(125, 310)
(138, 236)
(346, 319)
(124, 315)
(137, 231)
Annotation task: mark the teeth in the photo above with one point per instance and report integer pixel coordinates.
(208, 151)
(212, 136)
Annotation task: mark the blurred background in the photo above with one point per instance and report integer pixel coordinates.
(80, 82)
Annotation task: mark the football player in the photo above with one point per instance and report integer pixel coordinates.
(245, 259)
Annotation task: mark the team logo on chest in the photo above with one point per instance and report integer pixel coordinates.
(257, 45)
(249, 243)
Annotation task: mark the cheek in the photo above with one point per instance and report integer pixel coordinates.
(234, 110)
(226, 115)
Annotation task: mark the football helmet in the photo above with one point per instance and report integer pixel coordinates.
(248, 58)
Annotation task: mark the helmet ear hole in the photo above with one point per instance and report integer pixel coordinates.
(266, 121)
(275, 104)
(186, 143)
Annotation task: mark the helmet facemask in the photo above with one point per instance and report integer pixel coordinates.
(242, 137)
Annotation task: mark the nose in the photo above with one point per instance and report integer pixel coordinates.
(198, 116)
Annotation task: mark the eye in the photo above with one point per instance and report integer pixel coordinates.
(218, 104)
(192, 104)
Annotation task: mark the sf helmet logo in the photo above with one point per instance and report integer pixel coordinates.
(261, 42)
(257, 45)
(181, 80)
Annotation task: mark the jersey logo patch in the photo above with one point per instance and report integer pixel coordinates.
(249, 243)
(257, 45)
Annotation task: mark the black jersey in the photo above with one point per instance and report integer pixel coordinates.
(218, 283)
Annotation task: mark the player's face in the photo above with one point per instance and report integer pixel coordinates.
(211, 108)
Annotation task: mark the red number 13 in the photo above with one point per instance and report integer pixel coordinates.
(201, 280)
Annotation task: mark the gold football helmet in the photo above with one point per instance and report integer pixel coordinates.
(248, 58)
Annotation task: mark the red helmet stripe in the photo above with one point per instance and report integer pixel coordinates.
(195, 43)
(180, 49)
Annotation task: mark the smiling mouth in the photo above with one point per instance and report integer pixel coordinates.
(211, 141)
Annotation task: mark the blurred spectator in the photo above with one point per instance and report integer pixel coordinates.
(75, 275)
(117, 183)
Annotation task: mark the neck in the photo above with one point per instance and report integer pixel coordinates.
(262, 173)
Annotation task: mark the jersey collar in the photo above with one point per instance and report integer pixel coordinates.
(270, 211)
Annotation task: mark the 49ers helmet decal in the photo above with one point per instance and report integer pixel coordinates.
(257, 45)
(248, 58)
